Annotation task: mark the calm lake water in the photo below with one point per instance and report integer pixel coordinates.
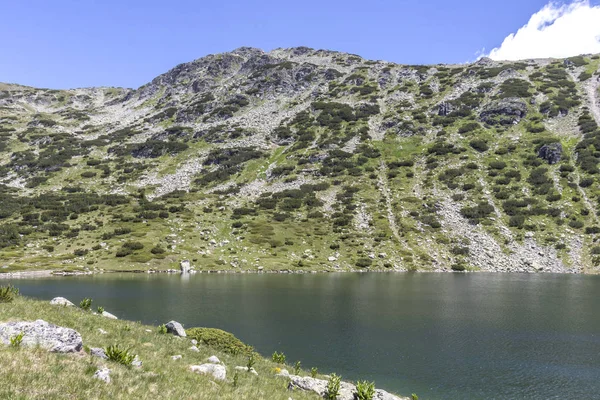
(442, 336)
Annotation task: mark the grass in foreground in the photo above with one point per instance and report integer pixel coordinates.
(29, 373)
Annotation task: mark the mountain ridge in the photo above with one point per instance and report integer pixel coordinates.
(383, 166)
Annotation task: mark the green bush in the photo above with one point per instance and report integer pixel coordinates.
(86, 304)
(219, 339)
(333, 387)
(119, 355)
(278, 358)
(364, 262)
(15, 341)
(314, 372)
(8, 293)
(365, 390)
(162, 329)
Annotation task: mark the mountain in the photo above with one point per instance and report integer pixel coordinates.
(304, 160)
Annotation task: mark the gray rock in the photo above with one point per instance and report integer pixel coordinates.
(108, 315)
(98, 352)
(175, 328)
(51, 337)
(103, 374)
(61, 301)
(177, 357)
(215, 370)
(551, 152)
(194, 342)
(194, 348)
(214, 360)
(445, 108)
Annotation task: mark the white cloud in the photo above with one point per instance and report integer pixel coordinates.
(557, 30)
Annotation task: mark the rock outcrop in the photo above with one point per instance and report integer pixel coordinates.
(503, 112)
(347, 390)
(61, 301)
(41, 333)
(551, 153)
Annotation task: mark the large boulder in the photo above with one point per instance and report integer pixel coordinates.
(175, 328)
(551, 152)
(217, 371)
(51, 337)
(61, 301)
(504, 111)
(103, 374)
(185, 266)
(108, 315)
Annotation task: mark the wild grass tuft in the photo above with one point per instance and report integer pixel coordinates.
(119, 355)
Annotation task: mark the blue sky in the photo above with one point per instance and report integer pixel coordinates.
(65, 44)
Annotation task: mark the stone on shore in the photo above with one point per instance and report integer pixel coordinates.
(54, 338)
(61, 301)
(347, 390)
(108, 315)
(215, 370)
(175, 328)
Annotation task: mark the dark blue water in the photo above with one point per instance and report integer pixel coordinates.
(442, 336)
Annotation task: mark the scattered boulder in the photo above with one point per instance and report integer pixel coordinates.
(214, 360)
(215, 370)
(551, 152)
(185, 266)
(284, 373)
(51, 337)
(504, 111)
(98, 352)
(177, 357)
(61, 301)
(194, 348)
(194, 342)
(108, 315)
(103, 374)
(175, 328)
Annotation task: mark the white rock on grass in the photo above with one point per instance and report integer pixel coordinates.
(215, 370)
(108, 315)
(61, 301)
(214, 360)
(194, 342)
(175, 328)
(245, 369)
(137, 362)
(102, 331)
(40, 333)
(194, 348)
(284, 373)
(103, 374)
(177, 357)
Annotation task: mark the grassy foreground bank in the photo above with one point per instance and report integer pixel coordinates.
(30, 373)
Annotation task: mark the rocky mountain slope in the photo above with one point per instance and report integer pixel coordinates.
(300, 160)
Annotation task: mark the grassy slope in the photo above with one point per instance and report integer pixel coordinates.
(33, 373)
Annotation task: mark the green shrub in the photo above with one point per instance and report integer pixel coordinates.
(313, 372)
(364, 262)
(162, 329)
(251, 361)
(86, 304)
(479, 145)
(278, 358)
(157, 250)
(15, 341)
(219, 339)
(8, 293)
(100, 310)
(297, 367)
(119, 355)
(333, 387)
(365, 390)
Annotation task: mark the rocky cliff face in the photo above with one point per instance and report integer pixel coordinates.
(301, 159)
